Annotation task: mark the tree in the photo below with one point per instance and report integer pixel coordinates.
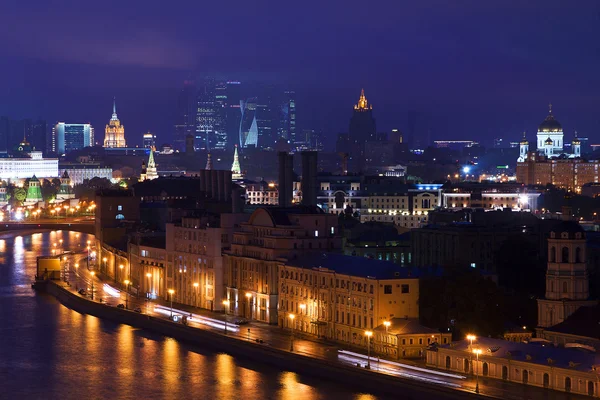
(20, 194)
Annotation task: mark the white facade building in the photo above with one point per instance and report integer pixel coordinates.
(79, 172)
(24, 168)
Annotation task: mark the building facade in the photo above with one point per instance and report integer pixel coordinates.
(13, 168)
(79, 172)
(114, 133)
(565, 173)
(260, 246)
(71, 137)
(262, 193)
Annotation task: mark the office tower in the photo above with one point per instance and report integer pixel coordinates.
(264, 121)
(233, 113)
(362, 129)
(185, 123)
(248, 131)
(286, 178)
(39, 135)
(71, 137)
(287, 117)
(149, 141)
(309, 178)
(205, 116)
(220, 124)
(114, 133)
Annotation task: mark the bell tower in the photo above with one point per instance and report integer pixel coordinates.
(567, 280)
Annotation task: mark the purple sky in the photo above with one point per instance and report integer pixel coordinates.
(472, 69)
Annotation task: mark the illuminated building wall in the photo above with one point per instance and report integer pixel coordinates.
(114, 132)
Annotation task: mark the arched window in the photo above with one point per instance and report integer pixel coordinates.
(504, 372)
(565, 254)
(466, 365)
(590, 390)
(564, 287)
(567, 384)
(525, 376)
(553, 254)
(120, 216)
(447, 362)
(485, 369)
(577, 255)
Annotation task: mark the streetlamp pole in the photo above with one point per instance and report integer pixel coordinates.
(120, 273)
(387, 325)
(171, 291)
(477, 353)
(292, 316)
(127, 282)
(226, 306)
(249, 297)
(369, 334)
(470, 338)
(92, 273)
(196, 284)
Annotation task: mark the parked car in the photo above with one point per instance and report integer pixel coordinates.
(81, 292)
(137, 309)
(120, 305)
(241, 321)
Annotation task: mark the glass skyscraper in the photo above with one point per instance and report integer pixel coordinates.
(185, 123)
(248, 124)
(287, 117)
(71, 137)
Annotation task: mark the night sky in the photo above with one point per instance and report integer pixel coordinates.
(471, 69)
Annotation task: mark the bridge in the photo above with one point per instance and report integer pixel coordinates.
(75, 224)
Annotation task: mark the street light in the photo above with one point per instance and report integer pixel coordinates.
(249, 297)
(477, 353)
(127, 282)
(92, 273)
(226, 304)
(368, 334)
(171, 291)
(471, 338)
(387, 325)
(292, 316)
(120, 273)
(196, 284)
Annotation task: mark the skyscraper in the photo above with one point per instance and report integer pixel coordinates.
(149, 140)
(361, 130)
(248, 131)
(114, 133)
(287, 117)
(233, 113)
(185, 123)
(220, 127)
(205, 116)
(267, 135)
(71, 137)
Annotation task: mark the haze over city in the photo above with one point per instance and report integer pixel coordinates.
(474, 70)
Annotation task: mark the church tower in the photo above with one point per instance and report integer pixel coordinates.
(567, 281)
(236, 169)
(114, 133)
(576, 145)
(523, 149)
(550, 136)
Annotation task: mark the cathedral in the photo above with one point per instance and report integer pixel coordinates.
(114, 133)
(550, 140)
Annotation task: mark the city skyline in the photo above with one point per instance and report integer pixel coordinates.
(502, 71)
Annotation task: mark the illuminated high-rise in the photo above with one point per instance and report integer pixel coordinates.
(149, 140)
(220, 122)
(205, 116)
(114, 133)
(186, 115)
(287, 117)
(248, 124)
(233, 113)
(71, 137)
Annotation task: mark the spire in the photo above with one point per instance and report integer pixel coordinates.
(550, 108)
(362, 102)
(114, 114)
(235, 167)
(209, 162)
(151, 163)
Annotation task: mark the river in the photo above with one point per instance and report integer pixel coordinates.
(48, 351)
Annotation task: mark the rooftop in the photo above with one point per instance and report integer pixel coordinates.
(362, 267)
(568, 358)
(406, 326)
(584, 322)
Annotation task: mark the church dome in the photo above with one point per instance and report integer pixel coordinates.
(550, 124)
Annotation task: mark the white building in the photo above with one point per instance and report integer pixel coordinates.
(24, 168)
(80, 172)
(490, 200)
(262, 193)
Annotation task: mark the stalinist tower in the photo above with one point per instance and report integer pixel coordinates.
(114, 133)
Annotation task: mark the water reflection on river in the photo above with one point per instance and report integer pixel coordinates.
(49, 351)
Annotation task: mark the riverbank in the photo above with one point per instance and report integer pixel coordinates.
(357, 378)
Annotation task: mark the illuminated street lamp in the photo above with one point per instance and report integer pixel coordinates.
(196, 284)
(171, 291)
(226, 304)
(121, 273)
(127, 282)
(477, 353)
(104, 260)
(292, 316)
(368, 334)
(471, 338)
(92, 273)
(249, 297)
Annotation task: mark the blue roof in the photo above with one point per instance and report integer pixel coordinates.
(361, 266)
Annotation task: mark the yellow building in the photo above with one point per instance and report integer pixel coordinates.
(271, 237)
(114, 133)
(343, 297)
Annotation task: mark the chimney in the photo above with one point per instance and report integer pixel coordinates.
(286, 178)
(309, 178)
